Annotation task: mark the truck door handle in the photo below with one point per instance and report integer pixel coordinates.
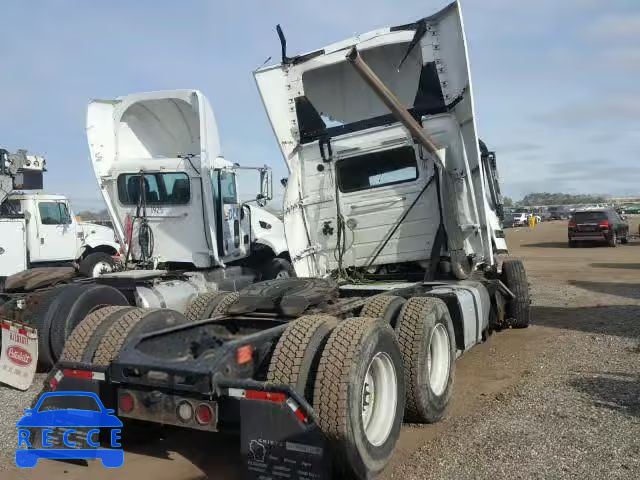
(41, 240)
(377, 202)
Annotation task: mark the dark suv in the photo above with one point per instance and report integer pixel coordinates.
(601, 225)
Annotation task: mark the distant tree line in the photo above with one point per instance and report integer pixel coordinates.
(544, 198)
(88, 215)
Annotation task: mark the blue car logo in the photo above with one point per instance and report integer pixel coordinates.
(66, 425)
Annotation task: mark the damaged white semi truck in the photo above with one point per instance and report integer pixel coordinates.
(392, 218)
(174, 204)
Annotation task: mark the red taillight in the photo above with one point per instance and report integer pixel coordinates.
(83, 374)
(204, 414)
(572, 224)
(268, 396)
(604, 224)
(244, 354)
(125, 403)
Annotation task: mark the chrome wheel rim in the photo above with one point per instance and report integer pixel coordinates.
(439, 359)
(379, 399)
(101, 268)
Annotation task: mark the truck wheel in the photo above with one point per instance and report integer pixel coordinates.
(385, 307)
(427, 342)
(83, 341)
(41, 308)
(203, 305)
(277, 268)
(514, 277)
(95, 264)
(75, 302)
(129, 324)
(359, 396)
(297, 353)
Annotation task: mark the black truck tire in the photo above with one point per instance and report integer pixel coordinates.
(277, 268)
(427, 342)
(518, 309)
(81, 344)
(203, 305)
(89, 264)
(386, 307)
(354, 347)
(75, 302)
(295, 359)
(40, 311)
(225, 303)
(129, 324)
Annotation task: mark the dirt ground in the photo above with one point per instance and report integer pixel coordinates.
(560, 399)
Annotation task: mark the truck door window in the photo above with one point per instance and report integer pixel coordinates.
(54, 213)
(228, 188)
(378, 169)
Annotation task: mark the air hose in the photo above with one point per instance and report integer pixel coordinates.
(145, 233)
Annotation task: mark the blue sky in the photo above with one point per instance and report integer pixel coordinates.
(556, 82)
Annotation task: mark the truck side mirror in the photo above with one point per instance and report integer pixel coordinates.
(266, 185)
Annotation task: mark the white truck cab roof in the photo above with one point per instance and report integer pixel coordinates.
(36, 195)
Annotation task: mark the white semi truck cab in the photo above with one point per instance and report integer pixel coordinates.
(172, 196)
(364, 192)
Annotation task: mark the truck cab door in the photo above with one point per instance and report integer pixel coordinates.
(56, 238)
(233, 222)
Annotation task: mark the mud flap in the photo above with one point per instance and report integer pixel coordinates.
(19, 354)
(279, 437)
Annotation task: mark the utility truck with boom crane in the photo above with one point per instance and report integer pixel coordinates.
(173, 201)
(391, 213)
(38, 229)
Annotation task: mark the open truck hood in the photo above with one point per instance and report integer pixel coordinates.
(330, 96)
(165, 131)
(425, 64)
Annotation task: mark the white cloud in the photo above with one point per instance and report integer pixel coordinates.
(600, 108)
(615, 27)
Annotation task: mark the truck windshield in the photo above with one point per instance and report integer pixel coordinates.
(377, 169)
(160, 188)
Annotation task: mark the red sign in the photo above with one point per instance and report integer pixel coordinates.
(18, 356)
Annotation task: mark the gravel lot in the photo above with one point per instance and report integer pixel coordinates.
(574, 414)
(13, 403)
(560, 399)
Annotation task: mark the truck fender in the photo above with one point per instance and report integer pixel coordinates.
(268, 230)
(276, 245)
(111, 248)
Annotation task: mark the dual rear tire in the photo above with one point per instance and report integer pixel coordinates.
(358, 374)
(56, 312)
